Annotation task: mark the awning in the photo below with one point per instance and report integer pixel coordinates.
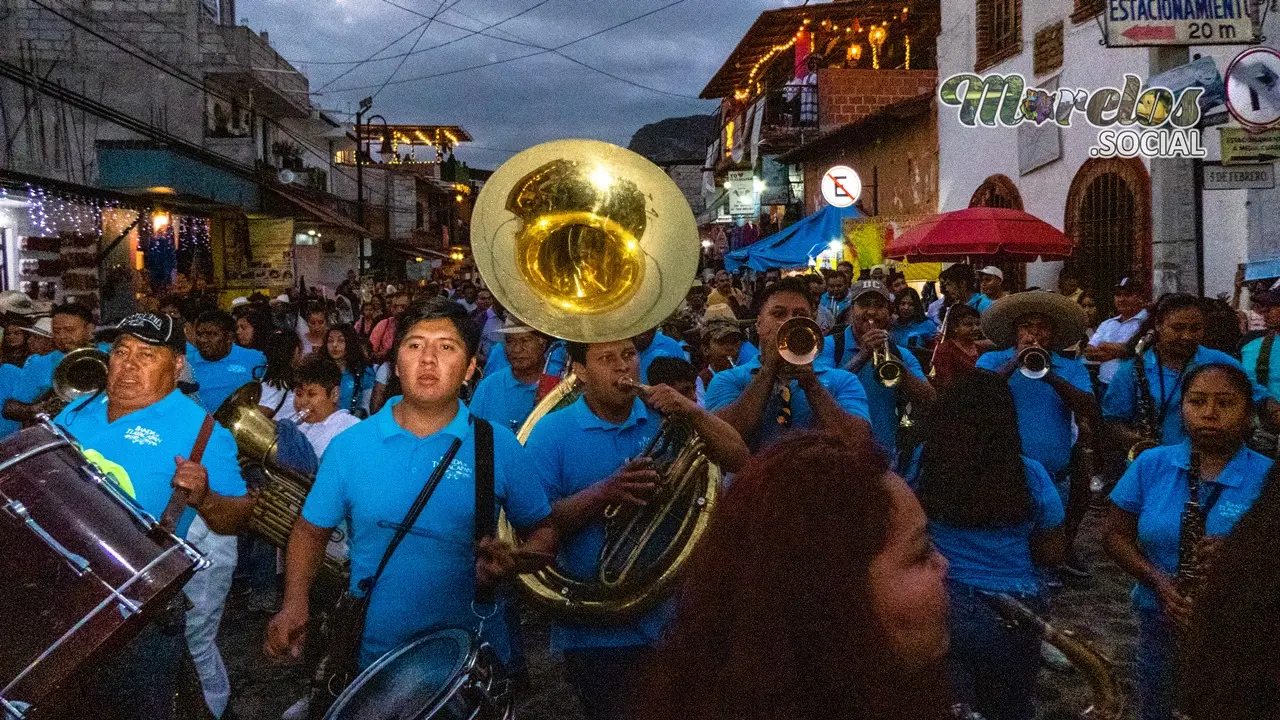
(796, 244)
(318, 211)
(414, 251)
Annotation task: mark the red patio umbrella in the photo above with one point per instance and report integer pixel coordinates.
(994, 233)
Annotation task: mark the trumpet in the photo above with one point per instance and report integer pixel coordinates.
(888, 369)
(799, 341)
(1033, 362)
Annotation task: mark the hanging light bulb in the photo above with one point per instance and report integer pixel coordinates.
(876, 36)
(905, 10)
(159, 221)
(854, 54)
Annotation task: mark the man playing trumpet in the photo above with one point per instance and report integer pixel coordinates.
(766, 397)
(588, 456)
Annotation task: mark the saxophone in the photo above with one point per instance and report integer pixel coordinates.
(1148, 419)
(1107, 699)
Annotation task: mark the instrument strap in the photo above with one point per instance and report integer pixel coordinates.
(837, 337)
(178, 500)
(1166, 401)
(1263, 369)
(366, 585)
(486, 522)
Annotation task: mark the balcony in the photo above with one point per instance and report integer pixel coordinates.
(239, 62)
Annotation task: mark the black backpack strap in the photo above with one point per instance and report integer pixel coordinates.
(1263, 368)
(837, 337)
(486, 521)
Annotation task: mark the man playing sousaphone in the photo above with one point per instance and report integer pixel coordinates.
(150, 438)
(72, 329)
(588, 458)
(766, 397)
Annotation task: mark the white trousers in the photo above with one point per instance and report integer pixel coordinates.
(207, 591)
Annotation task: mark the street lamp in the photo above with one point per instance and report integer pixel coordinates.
(386, 149)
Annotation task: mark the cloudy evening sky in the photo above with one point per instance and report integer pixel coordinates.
(512, 103)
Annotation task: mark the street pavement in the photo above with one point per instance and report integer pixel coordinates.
(1099, 615)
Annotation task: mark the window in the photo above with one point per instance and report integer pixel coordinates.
(997, 191)
(1109, 219)
(1048, 49)
(999, 26)
(1085, 10)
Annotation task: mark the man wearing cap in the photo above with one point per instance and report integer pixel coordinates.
(767, 397)
(723, 343)
(506, 396)
(72, 328)
(1258, 357)
(1045, 406)
(852, 347)
(957, 287)
(142, 431)
(220, 366)
(1109, 342)
(991, 281)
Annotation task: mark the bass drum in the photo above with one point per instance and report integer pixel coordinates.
(82, 568)
(447, 675)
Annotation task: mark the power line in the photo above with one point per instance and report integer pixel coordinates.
(351, 69)
(520, 57)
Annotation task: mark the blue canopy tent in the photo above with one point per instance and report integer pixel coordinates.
(796, 244)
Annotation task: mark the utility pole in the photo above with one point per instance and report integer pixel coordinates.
(365, 104)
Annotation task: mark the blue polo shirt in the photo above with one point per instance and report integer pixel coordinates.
(918, 334)
(1044, 420)
(833, 306)
(137, 450)
(998, 559)
(662, 346)
(219, 378)
(1120, 404)
(557, 358)
(748, 353)
(1249, 359)
(882, 402)
(979, 302)
(844, 386)
(570, 450)
(501, 399)
(10, 377)
(370, 475)
(347, 388)
(37, 376)
(1155, 488)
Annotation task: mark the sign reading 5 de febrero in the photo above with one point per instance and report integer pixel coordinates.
(1132, 121)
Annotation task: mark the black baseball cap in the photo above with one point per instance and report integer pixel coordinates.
(151, 329)
(1131, 285)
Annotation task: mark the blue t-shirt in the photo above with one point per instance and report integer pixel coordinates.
(1044, 420)
(37, 376)
(370, 475)
(1249, 359)
(570, 450)
(10, 377)
(882, 401)
(979, 302)
(844, 387)
(833, 306)
(503, 400)
(999, 559)
(347, 388)
(748, 353)
(1120, 404)
(1155, 488)
(219, 378)
(557, 358)
(137, 450)
(918, 334)
(662, 346)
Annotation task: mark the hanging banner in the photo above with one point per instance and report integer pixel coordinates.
(270, 260)
(866, 238)
(742, 193)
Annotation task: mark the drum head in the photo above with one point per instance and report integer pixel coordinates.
(408, 681)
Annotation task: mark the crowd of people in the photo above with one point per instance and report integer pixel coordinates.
(941, 450)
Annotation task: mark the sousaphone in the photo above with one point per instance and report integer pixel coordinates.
(589, 242)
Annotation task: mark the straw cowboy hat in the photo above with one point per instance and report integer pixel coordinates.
(1000, 320)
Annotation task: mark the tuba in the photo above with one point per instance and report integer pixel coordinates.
(81, 372)
(588, 242)
(280, 500)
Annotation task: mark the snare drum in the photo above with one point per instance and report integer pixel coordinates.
(82, 567)
(447, 675)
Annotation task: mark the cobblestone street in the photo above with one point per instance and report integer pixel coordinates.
(1100, 615)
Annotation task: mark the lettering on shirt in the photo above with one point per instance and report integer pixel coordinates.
(143, 436)
(237, 369)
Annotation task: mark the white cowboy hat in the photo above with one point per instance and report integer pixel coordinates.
(999, 322)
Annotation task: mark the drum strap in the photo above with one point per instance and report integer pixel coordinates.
(485, 520)
(178, 500)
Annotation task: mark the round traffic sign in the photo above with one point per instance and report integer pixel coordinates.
(841, 186)
(1253, 88)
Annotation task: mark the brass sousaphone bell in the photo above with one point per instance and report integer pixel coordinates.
(589, 242)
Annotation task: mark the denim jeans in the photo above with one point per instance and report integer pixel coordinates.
(207, 591)
(992, 666)
(604, 678)
(1153, 667)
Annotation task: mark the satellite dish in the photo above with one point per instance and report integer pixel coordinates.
(286, 176)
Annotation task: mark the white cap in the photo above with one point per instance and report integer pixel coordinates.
(881, 268)
(992, 270)
(281, 299)
(239, 301)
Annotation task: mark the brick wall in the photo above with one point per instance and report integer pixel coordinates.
(845, 96)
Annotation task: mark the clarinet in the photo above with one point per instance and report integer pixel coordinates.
(1189, 579)
(1148, 420)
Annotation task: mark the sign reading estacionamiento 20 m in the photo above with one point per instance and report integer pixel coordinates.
(1178, 22)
